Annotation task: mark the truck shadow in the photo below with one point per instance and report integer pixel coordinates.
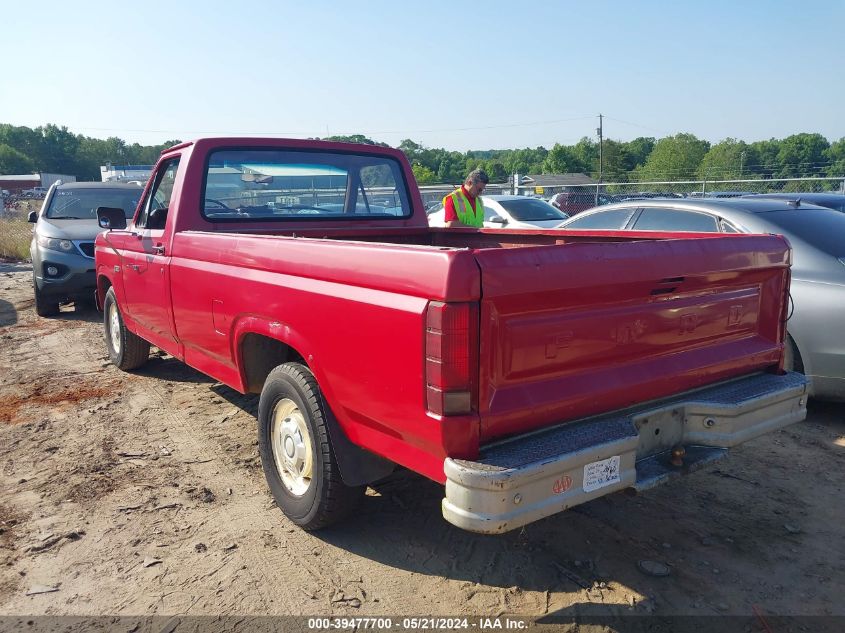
(84, 312)
(162, 366)
(8, 313)
(737, 523)
(14, 267)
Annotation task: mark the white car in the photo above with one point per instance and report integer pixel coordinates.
(511, 212)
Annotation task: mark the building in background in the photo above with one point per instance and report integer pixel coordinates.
(125, 173)
(548, 184)
(16, 184)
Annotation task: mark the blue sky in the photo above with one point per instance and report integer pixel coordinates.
(459, 75)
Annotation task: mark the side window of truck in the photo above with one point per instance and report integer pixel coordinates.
(154, 210)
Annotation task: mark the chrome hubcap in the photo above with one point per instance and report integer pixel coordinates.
(291, 447)
(114, 328)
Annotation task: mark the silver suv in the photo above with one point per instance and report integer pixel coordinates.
(62, 246)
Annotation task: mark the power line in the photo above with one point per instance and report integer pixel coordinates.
(342, 133)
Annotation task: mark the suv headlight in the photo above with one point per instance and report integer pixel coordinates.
(54, 244)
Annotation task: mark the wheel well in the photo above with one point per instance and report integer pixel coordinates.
(103, 285)
(797, 360)
(260, 355)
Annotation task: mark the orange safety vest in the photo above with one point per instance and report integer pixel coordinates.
(464, 209)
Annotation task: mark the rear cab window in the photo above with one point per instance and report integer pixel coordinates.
(285, 185)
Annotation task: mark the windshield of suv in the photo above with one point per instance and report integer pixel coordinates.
(81, 204)
(532, 210)
(269, 184)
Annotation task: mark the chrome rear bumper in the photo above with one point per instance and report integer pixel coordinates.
(533, 476)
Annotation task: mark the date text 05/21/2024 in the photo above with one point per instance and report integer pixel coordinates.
(418, 623)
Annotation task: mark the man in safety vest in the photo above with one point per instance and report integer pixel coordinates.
(463, 206)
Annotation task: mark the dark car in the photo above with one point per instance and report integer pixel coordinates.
(835, 201)
(62, 248)
(572, 202)
(816, 330)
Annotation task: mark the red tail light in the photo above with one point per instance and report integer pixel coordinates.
(450, 357)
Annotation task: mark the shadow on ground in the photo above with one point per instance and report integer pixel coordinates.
(8, 313)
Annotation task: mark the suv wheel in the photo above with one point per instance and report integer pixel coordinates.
(44, 306)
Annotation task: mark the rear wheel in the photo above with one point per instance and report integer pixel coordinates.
(296, 450)
(127, 350)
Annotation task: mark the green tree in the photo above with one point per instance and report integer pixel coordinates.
(802, 155)
(586, 153)
(727, 159)
(525, 161)
(58, 149)
(674, 158)
(423, 174)
(562, 160)
(766, 157)
(354, 138)
(14, 162)
(836, 155)
(23, 139)
(496, 170)
(615, 160)
(638, 151)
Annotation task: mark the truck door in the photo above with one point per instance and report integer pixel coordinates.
(146, 262)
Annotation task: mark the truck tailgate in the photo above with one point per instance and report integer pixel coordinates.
(573, 330)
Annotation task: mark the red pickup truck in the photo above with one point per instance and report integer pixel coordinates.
(528, 371)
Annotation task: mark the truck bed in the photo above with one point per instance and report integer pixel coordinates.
(571, 324)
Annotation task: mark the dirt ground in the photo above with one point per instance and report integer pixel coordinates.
(142, 494)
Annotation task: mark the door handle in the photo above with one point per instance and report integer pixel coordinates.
(135, 267)
(158, 249)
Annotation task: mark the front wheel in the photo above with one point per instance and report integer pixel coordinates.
(296, 450)
(127, 350)
(44, 307)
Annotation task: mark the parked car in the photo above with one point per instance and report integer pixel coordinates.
(35, 192)
(526, 372)
(572, 202)
(727, 194)
(835, 201)
(62, 247)
(511, 212)
(817, 327)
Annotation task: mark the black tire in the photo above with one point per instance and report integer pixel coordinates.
(133, 350)
(327, 499)
(45, 307)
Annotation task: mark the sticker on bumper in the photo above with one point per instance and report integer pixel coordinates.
(604, 472)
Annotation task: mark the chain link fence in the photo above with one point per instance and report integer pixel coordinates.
(15, 230)
(608, 192)
(589, 195)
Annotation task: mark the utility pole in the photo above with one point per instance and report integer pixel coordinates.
(600, 132)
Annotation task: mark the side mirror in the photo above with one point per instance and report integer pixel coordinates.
(157, 219)
(32, 217)
(111, 218)
(497, 219)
